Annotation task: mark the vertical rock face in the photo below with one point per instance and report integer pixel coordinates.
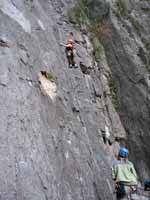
(54, 119)
(52, 122)
(128, 55)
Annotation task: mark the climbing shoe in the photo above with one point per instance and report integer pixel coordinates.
(70, 66)
(75, 66)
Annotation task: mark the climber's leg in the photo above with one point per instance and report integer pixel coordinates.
(73, 60)
(68, 55)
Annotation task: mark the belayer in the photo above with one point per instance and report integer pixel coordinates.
(125, 177)
(70, 51)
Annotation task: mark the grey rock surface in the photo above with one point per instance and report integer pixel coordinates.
(52, 117)
(128, 55)
(51, 142)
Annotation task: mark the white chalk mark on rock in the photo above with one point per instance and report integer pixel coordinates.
(69, 141)
(41, 25)
(67, 155)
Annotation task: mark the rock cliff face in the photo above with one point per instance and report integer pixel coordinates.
(128, 54)
(53, 118)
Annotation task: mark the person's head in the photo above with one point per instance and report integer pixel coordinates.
(71, 40)
(123, 153)
(71, 34)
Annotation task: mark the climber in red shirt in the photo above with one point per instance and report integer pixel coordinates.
(70, 47)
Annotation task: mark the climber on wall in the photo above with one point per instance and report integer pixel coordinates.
(125, 177)
(70, 50)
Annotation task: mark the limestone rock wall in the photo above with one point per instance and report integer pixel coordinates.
(128, 55)
(51, 126)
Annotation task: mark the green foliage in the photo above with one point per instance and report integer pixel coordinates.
(122, 8)
(82, 13)
(98, 48)
(94, 28)
(49, 76)
(138, 27)
(86, 12)
(147, 45)
(79, 13)
(122, 11)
